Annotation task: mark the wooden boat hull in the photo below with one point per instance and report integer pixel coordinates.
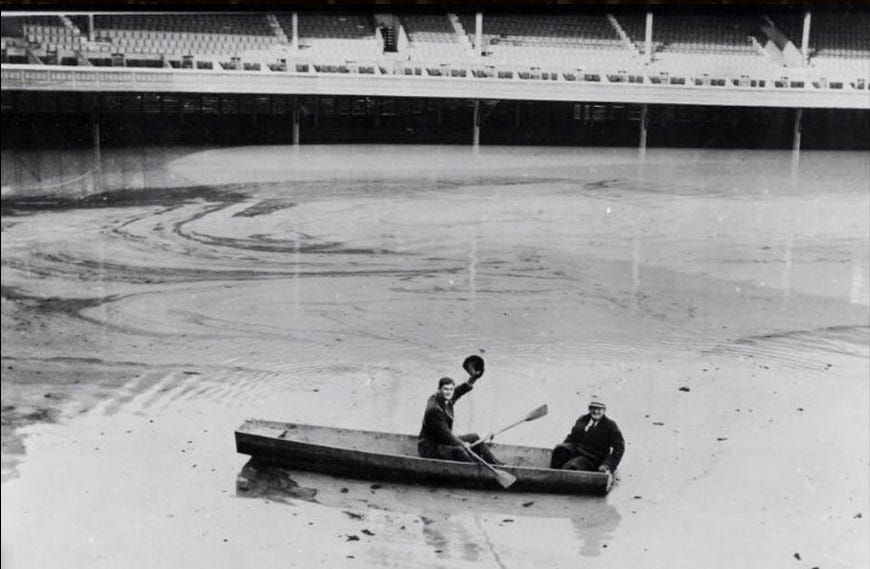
(376, 455)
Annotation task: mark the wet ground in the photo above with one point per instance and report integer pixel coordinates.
(717, 300)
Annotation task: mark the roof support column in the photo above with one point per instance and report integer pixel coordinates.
(294, 29)
(648, 34)
(805, 37)
(478, 32)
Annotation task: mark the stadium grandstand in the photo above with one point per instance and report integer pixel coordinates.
(454, 75)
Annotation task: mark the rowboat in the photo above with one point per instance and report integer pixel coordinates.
(374, 455)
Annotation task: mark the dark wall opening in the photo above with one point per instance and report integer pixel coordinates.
(61, 119)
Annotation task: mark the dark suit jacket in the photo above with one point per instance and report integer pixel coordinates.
(438, 419)
(604, 441)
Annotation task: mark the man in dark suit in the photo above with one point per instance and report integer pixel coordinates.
(595, 443)
(436, 438)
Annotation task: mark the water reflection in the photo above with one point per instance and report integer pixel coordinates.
(596, 529)
(441, 514)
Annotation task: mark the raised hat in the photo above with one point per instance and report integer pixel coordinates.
(474, 361)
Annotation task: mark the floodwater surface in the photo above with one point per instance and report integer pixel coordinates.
(718, 301)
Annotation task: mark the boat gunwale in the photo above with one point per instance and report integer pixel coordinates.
(428, 466)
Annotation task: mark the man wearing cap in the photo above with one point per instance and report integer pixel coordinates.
(436, 438)
(595, 443)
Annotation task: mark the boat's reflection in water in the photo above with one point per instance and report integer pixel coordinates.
(593, 520)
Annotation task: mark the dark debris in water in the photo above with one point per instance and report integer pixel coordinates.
(14, 417)
(272, 483)
(684, 388)
(19, 205)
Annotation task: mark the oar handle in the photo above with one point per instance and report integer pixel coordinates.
(505, 479)
(479, 459)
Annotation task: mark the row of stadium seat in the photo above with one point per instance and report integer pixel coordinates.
(522, 41)
(829, 31)
(245, 24)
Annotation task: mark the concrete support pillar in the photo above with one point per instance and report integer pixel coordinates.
(796, 140)
(644, 123)
(478, 32)
(796, 147)
(97, 171)
(90, 27)
(641, 147)
(294, 41)
(648, 35)
(805, 37)
(295, 121)
(476, 137)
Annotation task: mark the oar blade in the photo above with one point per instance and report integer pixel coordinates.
(505, 479)
(537, 413)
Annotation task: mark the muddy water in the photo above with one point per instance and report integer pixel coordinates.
(717, 300)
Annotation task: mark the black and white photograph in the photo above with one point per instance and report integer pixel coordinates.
(432, 284)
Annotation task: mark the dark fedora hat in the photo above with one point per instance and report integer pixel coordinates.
(473, 362)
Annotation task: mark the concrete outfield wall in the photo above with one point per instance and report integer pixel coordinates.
(73, 173)
(56, 78)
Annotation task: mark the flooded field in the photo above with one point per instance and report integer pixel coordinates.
(718, 301)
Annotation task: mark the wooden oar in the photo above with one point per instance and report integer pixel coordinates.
(505, 479)
(531, 416)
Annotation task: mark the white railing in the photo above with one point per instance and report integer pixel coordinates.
(454, 81)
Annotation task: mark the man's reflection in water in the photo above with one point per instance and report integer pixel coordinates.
(596, 528)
